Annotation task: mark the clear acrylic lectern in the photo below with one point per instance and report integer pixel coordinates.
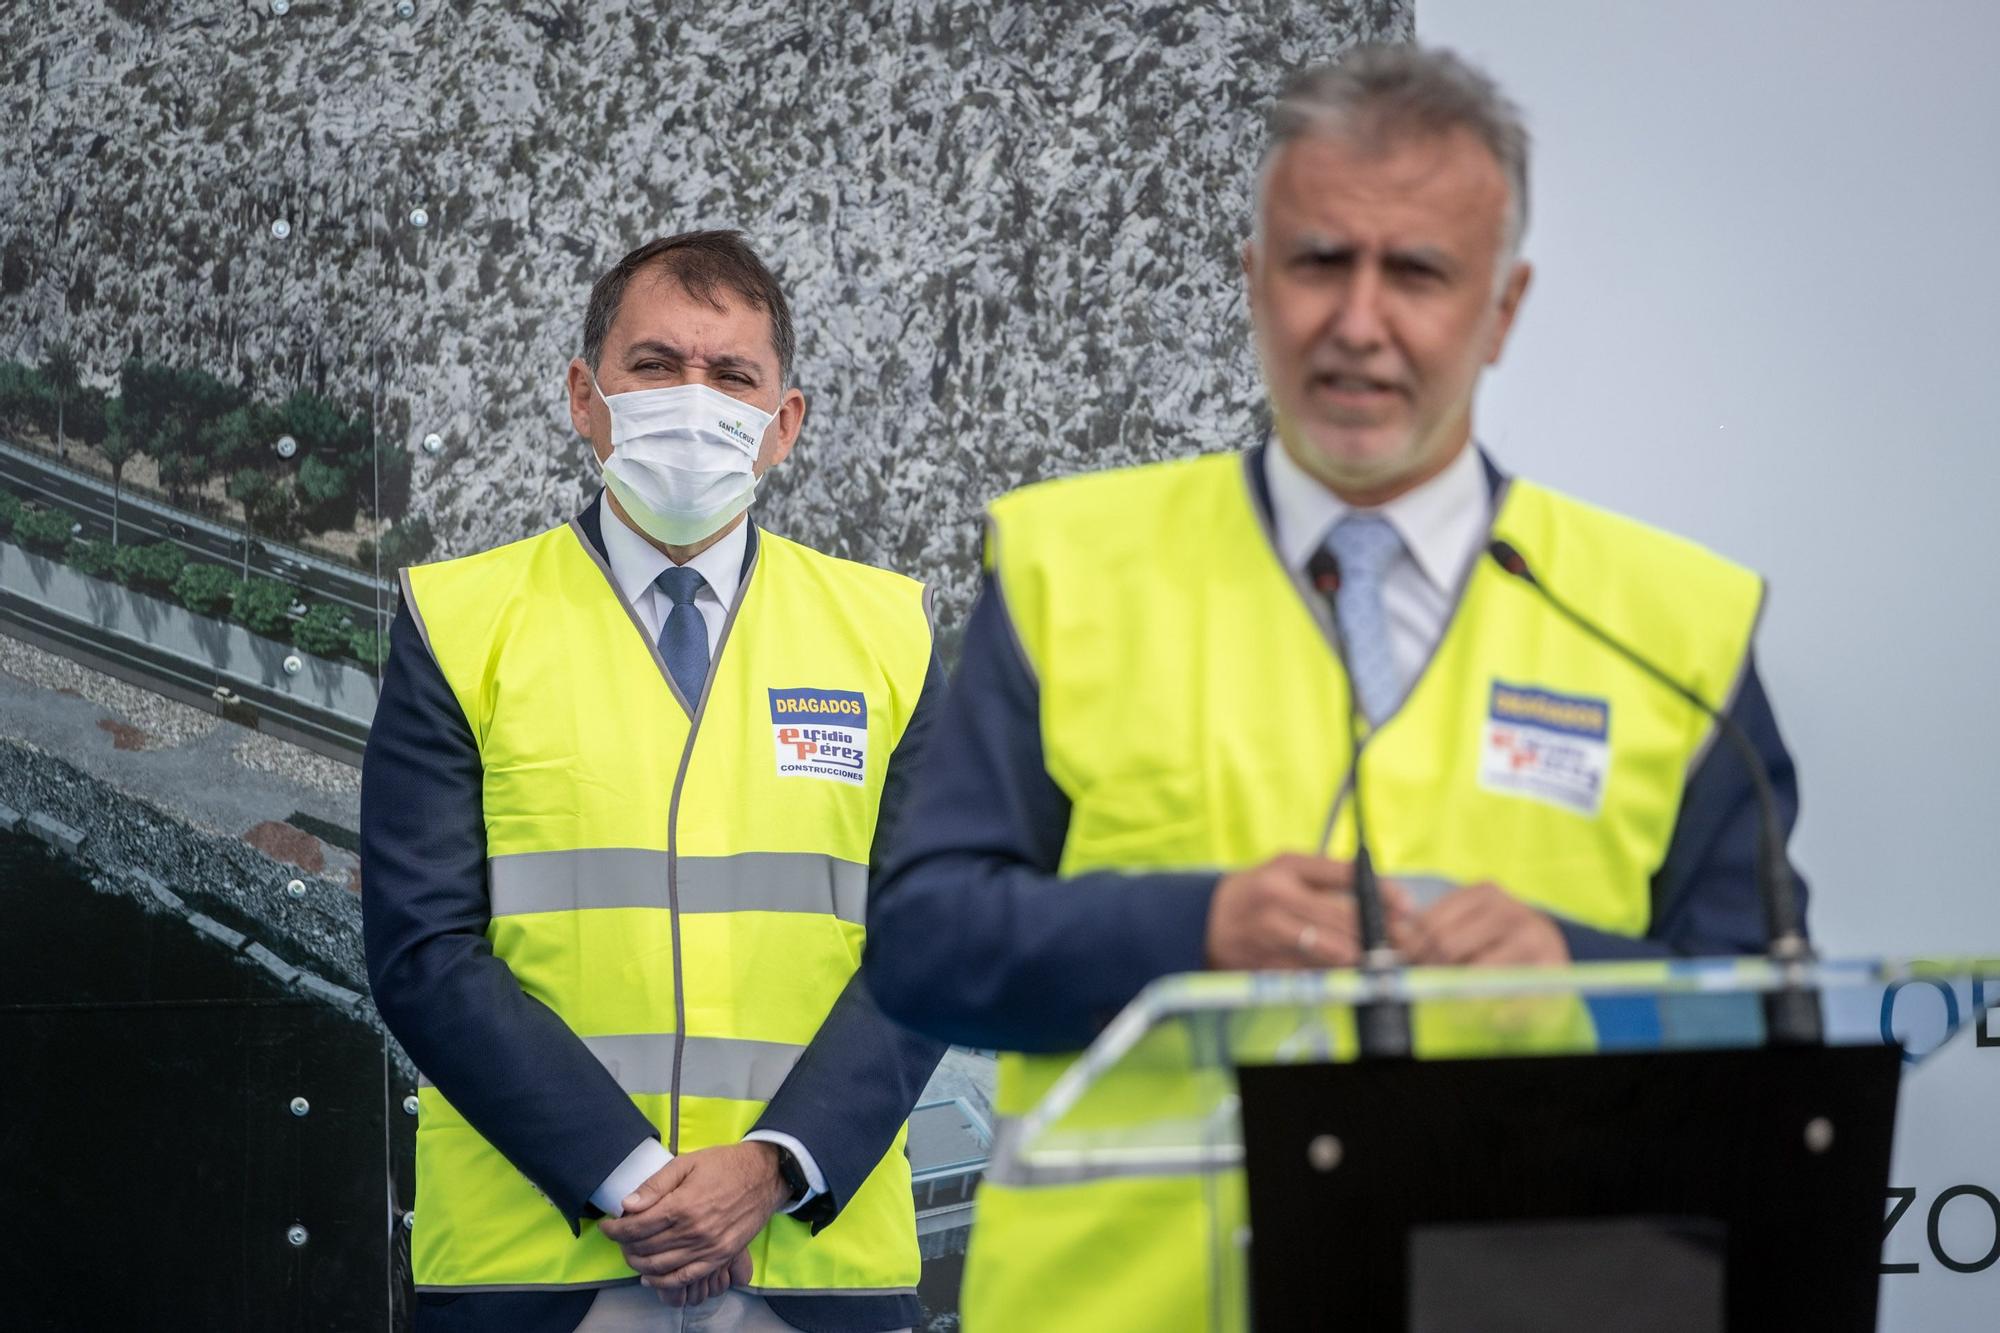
(1606, 1145)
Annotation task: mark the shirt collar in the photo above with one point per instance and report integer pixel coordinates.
(636, 562)
(1441, 522)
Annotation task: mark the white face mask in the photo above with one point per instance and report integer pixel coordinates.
(682, 458)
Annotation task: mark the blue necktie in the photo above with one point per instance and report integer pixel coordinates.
(1366, 545)
(684, 634)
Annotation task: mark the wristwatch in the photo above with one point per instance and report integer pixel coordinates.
(792, 1174)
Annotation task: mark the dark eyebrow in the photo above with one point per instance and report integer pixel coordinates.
(1321, 245)
(1423, 256)
(1427, 255)
(669, 352)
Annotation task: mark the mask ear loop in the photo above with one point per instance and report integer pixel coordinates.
(610, 417)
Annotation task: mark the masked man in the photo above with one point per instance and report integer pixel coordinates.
(625, 785)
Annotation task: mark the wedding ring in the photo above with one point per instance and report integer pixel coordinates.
(1308, 934)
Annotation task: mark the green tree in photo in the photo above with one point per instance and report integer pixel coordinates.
(334, 474)
(96, 559)
(387, 493)
(10, 512)
(410, 542)
(370, 648)
(270, 505)
(324, 632)
(24, 396)
(243, 437)
(117, 446)
(262, 606)
(150, 568)
(169, 412)
(45, 531)
(326, 494)
(89, 415)
(205, 589)
(144, 402)
(64, 377)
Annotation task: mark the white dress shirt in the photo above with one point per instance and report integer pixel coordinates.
(1443, 524)
(635, 563)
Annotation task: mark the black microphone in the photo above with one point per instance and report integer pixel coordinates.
(1791, 1015)
(1382, 1025)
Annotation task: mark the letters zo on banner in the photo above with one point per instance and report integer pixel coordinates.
(821, 734)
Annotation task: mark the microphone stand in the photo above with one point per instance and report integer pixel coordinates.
(1382, 1021)
(1792, 1013)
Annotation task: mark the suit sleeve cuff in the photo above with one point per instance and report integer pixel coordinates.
(815, 1182)
(637, 1168)
(1589, 945)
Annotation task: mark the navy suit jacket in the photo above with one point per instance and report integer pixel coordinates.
(514, 1069)
(974, 938)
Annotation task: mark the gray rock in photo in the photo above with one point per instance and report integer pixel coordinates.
(1010, 231)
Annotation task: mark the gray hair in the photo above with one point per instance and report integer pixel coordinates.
(1377, 91)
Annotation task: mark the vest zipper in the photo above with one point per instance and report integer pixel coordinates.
(699, 708)
(1322, 615)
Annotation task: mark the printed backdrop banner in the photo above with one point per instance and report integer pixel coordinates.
(311, 272)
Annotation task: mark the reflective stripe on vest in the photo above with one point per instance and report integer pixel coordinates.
(673, 882)
(700, 1066)
(602, 877)
(1194, 712)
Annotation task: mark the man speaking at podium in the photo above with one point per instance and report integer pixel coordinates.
(1144, 765)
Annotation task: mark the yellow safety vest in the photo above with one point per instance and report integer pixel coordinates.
(683, 883)
(1194, 711)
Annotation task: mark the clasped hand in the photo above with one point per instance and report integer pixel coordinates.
(1297, 911)
(687, 1229)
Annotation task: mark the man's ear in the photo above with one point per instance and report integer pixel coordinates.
(1249, 257)
(784, 432)
(583, 404)
(1511, 297)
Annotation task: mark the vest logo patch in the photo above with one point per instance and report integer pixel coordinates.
(1548, 747)
(821, 734)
